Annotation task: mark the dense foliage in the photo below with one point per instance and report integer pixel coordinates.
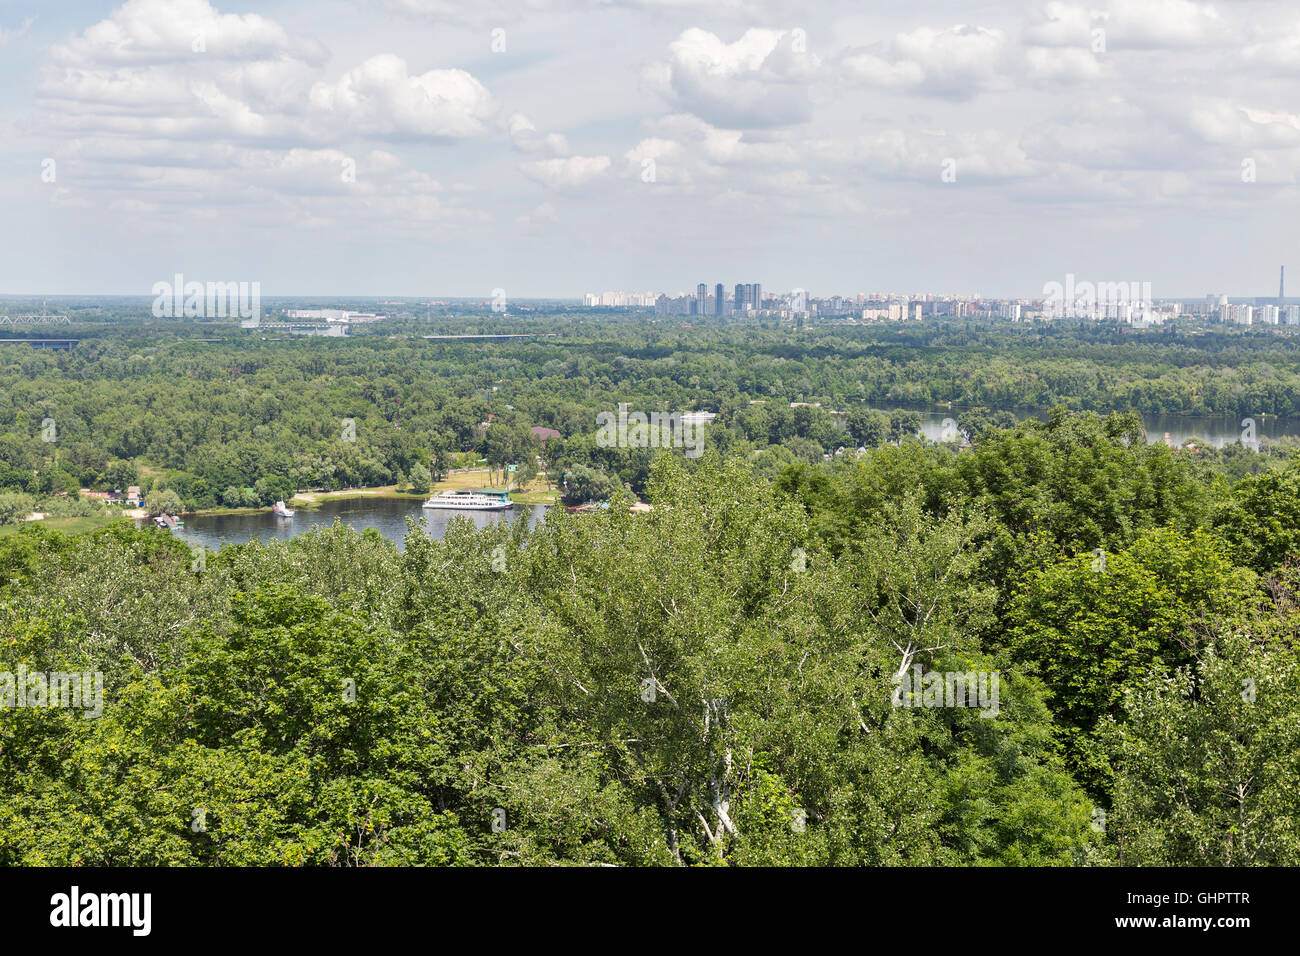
(712, 681)
(236, 418)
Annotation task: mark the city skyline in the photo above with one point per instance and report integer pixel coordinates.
(879, 295)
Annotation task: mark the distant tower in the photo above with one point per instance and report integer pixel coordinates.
(1281, 286)
(719, 298)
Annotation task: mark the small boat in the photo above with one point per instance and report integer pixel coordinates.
(466, 500)
(281, 510)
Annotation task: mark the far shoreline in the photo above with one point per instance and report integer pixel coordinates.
(309, 500)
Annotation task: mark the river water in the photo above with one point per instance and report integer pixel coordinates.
(387, 515)
(1212, 431)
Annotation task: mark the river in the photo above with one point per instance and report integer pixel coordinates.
(387, 515)
(1213, 431)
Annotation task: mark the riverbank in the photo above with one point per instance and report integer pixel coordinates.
(535, 494)
(309, 500)
(392, 517)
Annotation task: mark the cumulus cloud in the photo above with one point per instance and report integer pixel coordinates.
(180, 104)
(526, 138)
(172, 101)
(760, 80)
(732, 170)
(1223, 122)
(1157, 24)
(381, 97)
(1280, 52)
(687, 149)
(1063, 41)
(1061, 24)
(955, 63)
(175, 70)
(157, 31)
(180, 69)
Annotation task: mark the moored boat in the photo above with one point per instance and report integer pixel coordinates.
(467, 500)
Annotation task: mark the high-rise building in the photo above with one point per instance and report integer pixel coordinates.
(748, 296)
(1238, 313)
(701, 299)
(719, 299)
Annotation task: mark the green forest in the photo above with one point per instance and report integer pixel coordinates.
(210, 417)
(724, 679)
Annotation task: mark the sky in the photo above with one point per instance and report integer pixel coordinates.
(549, 148)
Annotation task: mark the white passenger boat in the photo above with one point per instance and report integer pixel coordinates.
(466, 500)
(281, 510)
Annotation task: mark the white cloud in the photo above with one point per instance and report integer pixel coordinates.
(527, 139)
(745, 129)
(955, 63)
(1229, 124)
(1279, 52)
(157, 31)
(146, 120)
(760, 80)
(1160, 24)
(380, 97)
(1061, 24)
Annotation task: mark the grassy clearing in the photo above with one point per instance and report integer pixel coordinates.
(312, 499)
(536, 493)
